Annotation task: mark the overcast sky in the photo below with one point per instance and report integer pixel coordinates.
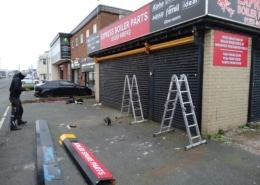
(27, 27)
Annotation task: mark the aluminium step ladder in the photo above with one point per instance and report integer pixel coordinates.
(131, 100)
(126, 103)
(180, 89)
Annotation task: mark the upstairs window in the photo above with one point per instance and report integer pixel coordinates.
(77, 41)
(81, 38)
(87, 33)
(94, 28)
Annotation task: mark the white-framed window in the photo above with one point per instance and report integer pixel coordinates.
(81, 38)
(72, 44)
(77, 41)
(94, 28)
(87, 33)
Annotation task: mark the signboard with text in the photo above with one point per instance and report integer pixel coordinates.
(94, 164)
(133, 26)
(93, 42)
(65, 47)
(242, 11)
(158, 15)
(166, 13)
(230, 49)
(162, 14)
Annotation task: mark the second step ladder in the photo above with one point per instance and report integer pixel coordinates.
(179, 90)
(131, 100)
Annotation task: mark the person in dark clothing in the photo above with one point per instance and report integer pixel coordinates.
(17, 108)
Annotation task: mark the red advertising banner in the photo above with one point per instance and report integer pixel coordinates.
(96, 166)
(230, 49)
(135, 25)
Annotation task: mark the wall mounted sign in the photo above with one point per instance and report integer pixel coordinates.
(230, 49)
(166, 13)
(163, 14)
(156, 16)
(245, 12)
(65, 47)
(133, 26)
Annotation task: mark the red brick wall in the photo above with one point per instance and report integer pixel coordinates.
(104, 19)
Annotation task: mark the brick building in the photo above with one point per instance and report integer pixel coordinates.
(214, 43)
(69, 50)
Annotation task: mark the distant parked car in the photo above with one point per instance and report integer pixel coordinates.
(29, 80)
(61, 88)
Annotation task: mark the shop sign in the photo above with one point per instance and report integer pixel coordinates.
(158, 15)
(65, 47)
(75, 64)
(93, 42)
(130, 27)
(166, 13)
(87, 65)
(242, 11)
(92, 161)
(230, 49)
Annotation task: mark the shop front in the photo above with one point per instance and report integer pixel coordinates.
(184, 37)
(88, 73)
(75, 67)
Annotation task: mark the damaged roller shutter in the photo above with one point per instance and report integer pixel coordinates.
(112, 78)
(176, 60)
(254, 104)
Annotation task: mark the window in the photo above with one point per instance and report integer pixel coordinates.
(67, 84)
(72, 44)
(44, 61)
(87, 33)
(81, 38)
(94, 28)
(76, 42)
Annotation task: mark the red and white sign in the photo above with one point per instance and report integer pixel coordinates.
(230, 49)
(96, 166)
(135, 25)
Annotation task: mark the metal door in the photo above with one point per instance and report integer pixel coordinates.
(177, 60)
(112, 78)
(254, 100)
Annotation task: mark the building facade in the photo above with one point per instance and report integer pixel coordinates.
(44, 66)
(214, 43)
(74, 64)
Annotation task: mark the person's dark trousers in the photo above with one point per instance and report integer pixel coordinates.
(16, 113)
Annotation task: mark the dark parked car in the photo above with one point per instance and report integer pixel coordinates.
(61, 88)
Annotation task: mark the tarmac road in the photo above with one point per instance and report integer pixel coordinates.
(130, 152)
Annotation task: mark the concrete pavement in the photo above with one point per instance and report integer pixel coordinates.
(130, 152)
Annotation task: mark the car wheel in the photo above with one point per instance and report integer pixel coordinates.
(48, 94)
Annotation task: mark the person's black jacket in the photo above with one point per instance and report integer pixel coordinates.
(16, 85)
